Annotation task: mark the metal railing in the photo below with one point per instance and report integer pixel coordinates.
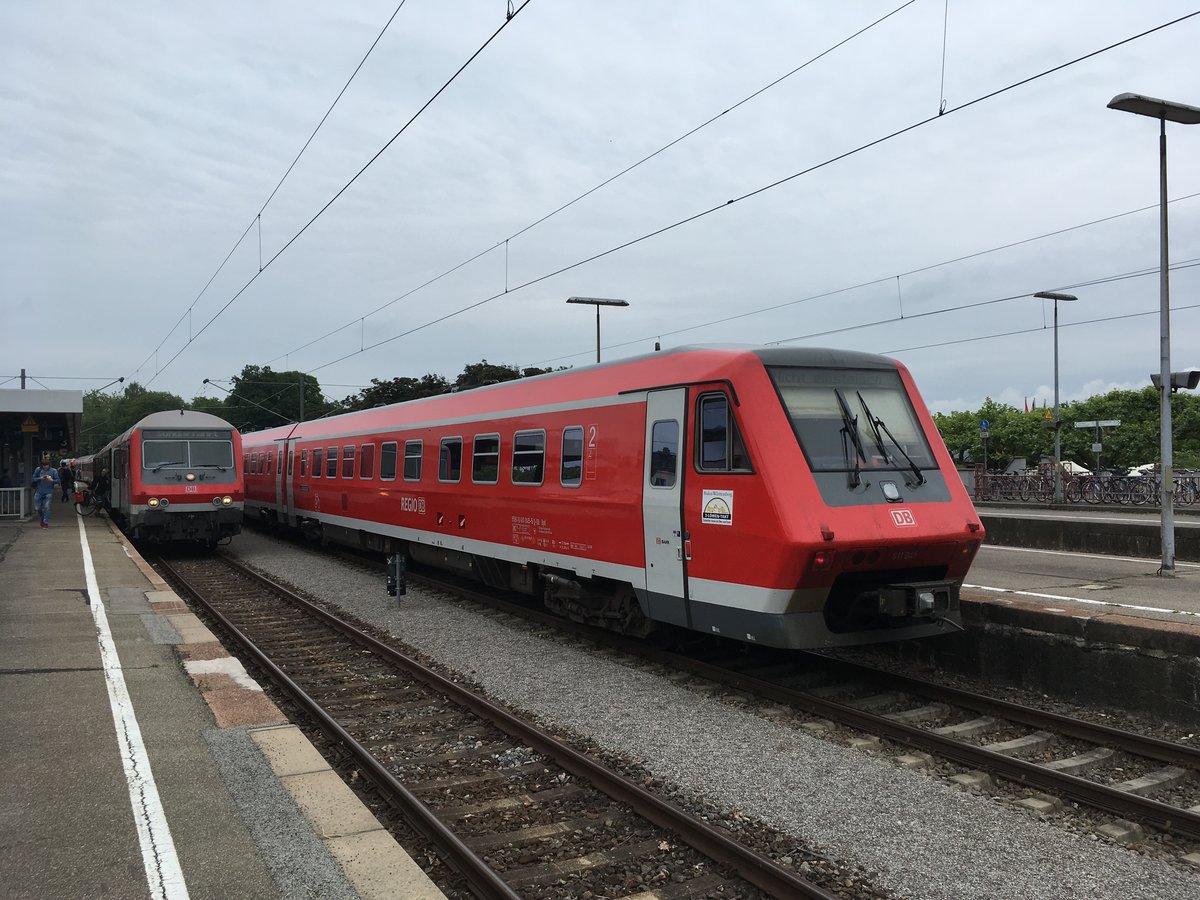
(12, 503)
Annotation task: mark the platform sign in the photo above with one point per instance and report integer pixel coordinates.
(30, 425)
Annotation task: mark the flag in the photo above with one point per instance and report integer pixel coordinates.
(1026, 404)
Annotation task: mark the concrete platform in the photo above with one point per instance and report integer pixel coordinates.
(140, 760)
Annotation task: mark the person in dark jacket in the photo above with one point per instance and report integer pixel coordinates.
(66, 479)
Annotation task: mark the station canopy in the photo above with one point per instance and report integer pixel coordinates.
(53, 420)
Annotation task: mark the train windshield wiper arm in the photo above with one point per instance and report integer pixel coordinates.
(163, 465)
(850, 436)
(210, 466)
(877, 425)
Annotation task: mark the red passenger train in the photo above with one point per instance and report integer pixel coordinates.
(174, 476)
(783, 496)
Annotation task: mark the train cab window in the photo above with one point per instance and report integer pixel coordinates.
(450, 460)
(412, 460)
(387, 461)
(318, 457)
(720, 446)
(529, 457)
(572, 457)
(848, 420)
(366, 461)
(664, 453)
(485, 459)
(303, 463)
(331, 459)
(348, 462)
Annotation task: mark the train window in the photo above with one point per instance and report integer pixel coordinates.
(529, 457)
(366, 461)
(412, 460)
(664, 453)
(246, 463)
(255, 461)
(572, 457)
(318, 455)
(291, 463)
(303, 463)
(270, 461)
(848, 420)
(485, 459)
(348, 462)
(331, 462)
(387, 461)
(450, 460)
(720, 447)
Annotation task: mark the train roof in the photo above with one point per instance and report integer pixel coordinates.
(181, 418)
(678, 365)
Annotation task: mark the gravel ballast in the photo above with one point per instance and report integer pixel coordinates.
(923, 837)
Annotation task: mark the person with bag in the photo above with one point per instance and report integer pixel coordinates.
(45, 480)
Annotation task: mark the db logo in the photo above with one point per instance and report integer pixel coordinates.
(903, 518)
(191, 488)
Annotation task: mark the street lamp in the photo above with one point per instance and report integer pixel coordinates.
(1058, 486)
(1184, 115)
(598, 302)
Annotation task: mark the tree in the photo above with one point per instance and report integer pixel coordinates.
(262, 398)
(398, 390)
(105, 416)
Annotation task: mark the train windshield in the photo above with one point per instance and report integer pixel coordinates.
(187, 450)
(853, 420)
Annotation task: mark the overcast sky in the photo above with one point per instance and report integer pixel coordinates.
(140, 141)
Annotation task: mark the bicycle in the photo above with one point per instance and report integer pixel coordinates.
(87, 503)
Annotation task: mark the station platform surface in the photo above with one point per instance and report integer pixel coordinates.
(140, 760)
(1088, 572)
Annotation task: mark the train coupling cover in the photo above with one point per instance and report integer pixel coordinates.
(918, 599)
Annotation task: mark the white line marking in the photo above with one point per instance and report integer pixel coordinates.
(154, 834)
(1133, 559)
(998, 590)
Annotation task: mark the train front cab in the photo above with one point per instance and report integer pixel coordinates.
(181, 484)
(744, 540)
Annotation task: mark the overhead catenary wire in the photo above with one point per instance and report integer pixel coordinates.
(760, 190)
(257, 220)
(345, 187)
(625, 171)
(871, 282)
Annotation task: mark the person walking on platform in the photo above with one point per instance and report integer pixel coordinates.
(45, 477)
(67, 479)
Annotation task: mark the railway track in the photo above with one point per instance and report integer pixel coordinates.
(511, 809)
(1136, 778)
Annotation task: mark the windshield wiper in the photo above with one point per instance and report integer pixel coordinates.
(163, 465)
(210, 466)
(878, 425)
(850, 431)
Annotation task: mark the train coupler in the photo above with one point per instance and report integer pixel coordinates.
(921, 600)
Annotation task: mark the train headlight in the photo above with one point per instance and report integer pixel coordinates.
(190, 476)
(164, 502)
(222, 501)
(152, 502)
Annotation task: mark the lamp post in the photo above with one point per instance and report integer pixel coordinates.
(598, 302)
(1058, 485)
(1184, 115)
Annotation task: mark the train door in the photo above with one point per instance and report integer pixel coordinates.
(662, 505)
(281, 483)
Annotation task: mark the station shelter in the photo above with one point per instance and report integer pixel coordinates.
(35, 425)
